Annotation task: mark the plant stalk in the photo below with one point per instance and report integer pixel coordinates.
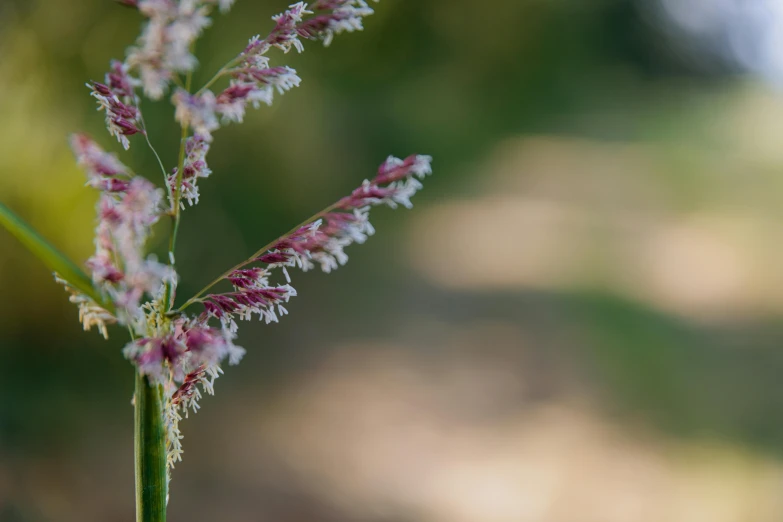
(149, 453)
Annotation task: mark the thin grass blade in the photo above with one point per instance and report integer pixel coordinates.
(47, 254)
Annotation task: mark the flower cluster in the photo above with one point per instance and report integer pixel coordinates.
(252, 295)
(127, 208)
(179, 349)
(118, 100)
(401, 179)
(91, 314)
(180, 356)
(253, 80)
(164, 47)
(334, 17)
(194, 167)
(254, 83)
(285, 34)
(184, 353)
(330, 17)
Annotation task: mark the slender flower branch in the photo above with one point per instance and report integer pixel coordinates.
(254, 257)
(346, 222)
(221, 72)
(157, 157)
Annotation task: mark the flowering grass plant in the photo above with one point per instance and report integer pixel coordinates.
(179, 351)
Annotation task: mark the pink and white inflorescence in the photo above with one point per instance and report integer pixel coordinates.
(180, 352)
(253, 80)
(128, 207)
(321, 243)
(117, 98)
(193, 168)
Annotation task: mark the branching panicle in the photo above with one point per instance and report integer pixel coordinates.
(321, 241)
(180, 353)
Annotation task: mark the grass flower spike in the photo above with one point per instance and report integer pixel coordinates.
(178, 352)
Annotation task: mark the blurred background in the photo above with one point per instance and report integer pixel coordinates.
(580, 320)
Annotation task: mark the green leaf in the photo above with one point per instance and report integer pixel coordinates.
(50, 256)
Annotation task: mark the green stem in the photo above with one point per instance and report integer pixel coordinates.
(168, 298)
(160, 162)
(149, 453)
(176, 195)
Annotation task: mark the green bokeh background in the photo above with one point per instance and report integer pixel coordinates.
(447, 344)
